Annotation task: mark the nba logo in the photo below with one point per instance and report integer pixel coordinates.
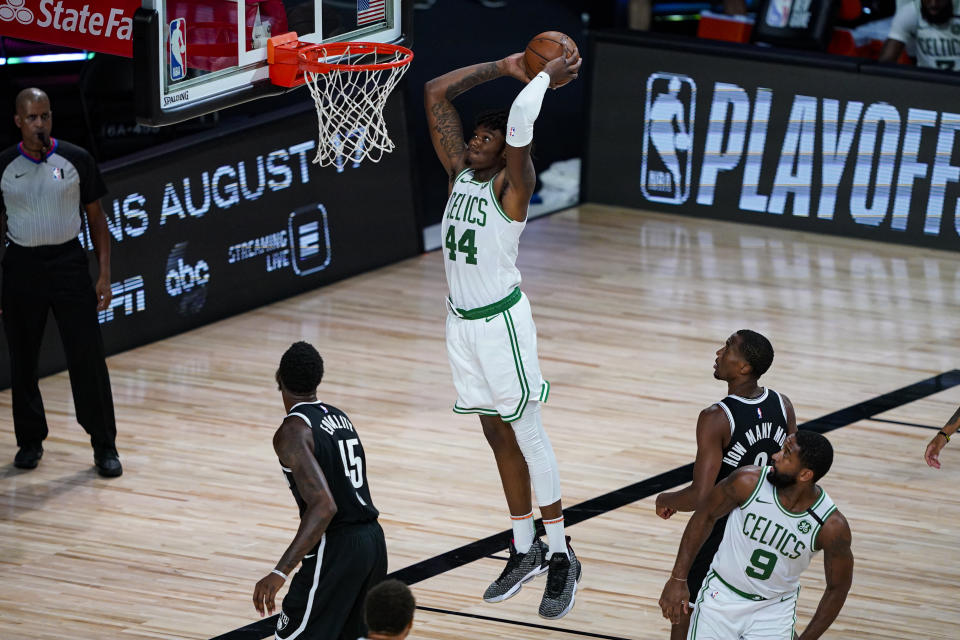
(668, 122)
(178, 49)
(309, 238)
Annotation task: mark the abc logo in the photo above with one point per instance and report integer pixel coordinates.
(182, 277)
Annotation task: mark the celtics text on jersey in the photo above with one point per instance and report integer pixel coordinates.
(765, 547)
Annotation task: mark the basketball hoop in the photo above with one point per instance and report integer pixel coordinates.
(350, 83)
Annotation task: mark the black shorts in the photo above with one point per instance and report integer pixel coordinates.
(701, 564)
(325, 600)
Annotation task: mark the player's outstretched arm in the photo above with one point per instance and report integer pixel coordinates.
(834, 539)
(939, 441)
(446, 128)
(520, 178)
(731, 492)
(711, 427)
(293, 443)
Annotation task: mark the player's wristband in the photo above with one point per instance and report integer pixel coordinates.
(280, 573)
(675, 578)
(944, 434)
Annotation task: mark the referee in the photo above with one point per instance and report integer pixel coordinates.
(43, 183)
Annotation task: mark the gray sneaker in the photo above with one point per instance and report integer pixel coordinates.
(561, 590)
(521, 567)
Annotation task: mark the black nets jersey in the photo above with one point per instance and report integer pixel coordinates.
(340, 455)
(758, 428)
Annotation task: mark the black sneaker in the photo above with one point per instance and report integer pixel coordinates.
(28, 457)
(521, 567)
(108, 463)
(561, 590)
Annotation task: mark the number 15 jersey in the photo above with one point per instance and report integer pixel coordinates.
(480, 244)
(340, 455)
(765, 547)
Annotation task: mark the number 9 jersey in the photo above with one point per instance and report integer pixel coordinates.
(480, 244)
(765, 547)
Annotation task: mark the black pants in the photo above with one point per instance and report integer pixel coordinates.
(325, 600)
(37, 280)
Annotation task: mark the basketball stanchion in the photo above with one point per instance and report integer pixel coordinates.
(350, 83)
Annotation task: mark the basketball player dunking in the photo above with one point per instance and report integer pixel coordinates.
(747, 427)
(339, 539)
(491, 338)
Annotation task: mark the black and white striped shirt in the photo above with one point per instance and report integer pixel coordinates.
(43, 198)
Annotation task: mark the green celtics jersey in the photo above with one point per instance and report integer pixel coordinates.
(765, 548)
(480, 244)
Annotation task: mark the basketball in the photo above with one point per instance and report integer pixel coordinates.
(545, 47)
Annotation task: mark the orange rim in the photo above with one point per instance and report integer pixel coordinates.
(309, 57)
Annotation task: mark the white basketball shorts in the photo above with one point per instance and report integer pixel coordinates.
(722, 614)
(494, 362)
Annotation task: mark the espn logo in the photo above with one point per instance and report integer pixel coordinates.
(129, 294)
(309, 236)
(668, 122)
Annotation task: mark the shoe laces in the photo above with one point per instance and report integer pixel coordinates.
(557, 575)
(515, 559)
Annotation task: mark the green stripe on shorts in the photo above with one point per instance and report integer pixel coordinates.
(518, 364)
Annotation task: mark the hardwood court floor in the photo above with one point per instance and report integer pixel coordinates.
(630, 308)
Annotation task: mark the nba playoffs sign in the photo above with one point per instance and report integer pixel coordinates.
(105, 26)
(825, 150)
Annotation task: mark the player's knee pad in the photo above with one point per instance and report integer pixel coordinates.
(538, 452)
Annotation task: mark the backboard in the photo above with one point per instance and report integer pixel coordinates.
(197, 56)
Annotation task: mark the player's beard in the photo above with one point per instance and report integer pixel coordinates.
(941, 17)
(780, 480)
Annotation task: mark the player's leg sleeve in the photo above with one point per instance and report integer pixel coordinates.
(538, 452)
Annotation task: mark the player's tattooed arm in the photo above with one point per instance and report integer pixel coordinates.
(293, 443)
(446, 128)
(834, 538)
(712, 424)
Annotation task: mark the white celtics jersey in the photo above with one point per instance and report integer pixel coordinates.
(937, 45)
(765, 548)
(480, 245)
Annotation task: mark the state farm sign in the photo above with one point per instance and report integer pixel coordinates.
(105, 25)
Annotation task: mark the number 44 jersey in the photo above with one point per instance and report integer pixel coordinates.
(480, 244)
(765, 547)
(340, 455)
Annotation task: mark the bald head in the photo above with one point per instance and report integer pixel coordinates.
(29, 96)
(34, 120)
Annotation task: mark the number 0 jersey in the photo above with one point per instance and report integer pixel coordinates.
(765, 548)
(340, 455)
(480, 244)
(758, 429)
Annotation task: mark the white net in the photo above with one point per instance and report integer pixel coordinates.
(350, 107)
